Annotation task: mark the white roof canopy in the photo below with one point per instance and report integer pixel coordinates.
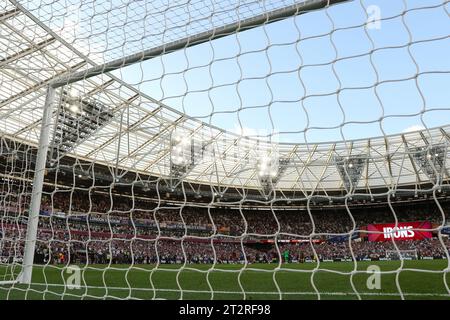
(138, 137)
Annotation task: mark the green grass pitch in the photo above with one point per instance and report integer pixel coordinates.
(422, 279)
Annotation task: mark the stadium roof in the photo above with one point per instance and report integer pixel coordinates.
(138, 137)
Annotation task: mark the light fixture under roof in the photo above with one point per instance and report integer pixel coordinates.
(77, 120)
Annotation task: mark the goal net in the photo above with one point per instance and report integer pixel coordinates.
(224, 149)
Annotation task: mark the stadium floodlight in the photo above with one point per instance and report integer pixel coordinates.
(77, 119)
(181, 157)
(267, 166)
(74, 107)
(350, 169)
(431, 160)
(186, 151)
(270, 169)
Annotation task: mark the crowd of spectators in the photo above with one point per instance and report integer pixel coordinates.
(102, 228)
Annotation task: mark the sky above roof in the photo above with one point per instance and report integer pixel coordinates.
(322, 76)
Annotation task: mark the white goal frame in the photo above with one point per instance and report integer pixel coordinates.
(25, 276)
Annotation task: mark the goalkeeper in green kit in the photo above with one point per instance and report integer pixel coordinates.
(286, 256)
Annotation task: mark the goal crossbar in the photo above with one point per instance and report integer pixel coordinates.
(216, 33)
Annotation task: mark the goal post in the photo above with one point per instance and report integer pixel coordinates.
(38, 181)
(36, 195)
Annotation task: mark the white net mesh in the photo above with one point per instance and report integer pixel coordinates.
(221, 149)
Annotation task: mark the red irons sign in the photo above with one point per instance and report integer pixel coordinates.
(401, 231)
